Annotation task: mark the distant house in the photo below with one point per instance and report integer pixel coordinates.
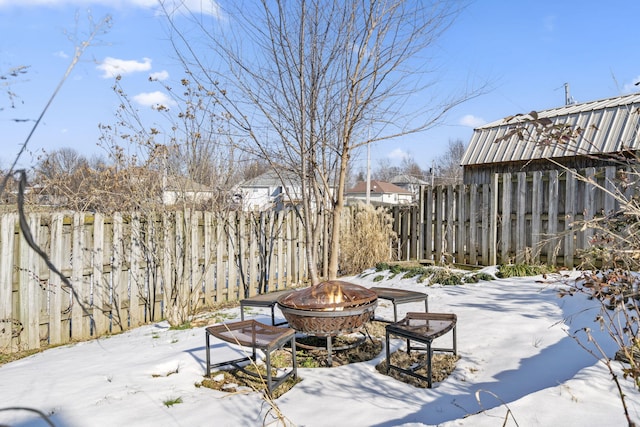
(267, 191)
(608, 127)
(410, 183)
(381, 193)
(180, 189)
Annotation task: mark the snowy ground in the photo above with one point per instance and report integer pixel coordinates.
(517, 364)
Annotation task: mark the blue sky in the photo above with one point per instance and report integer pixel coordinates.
(527, 50)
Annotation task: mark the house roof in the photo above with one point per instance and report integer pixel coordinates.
(377, 187)
(609, 126)
(180, 183)
(271, 178)
(407, 179)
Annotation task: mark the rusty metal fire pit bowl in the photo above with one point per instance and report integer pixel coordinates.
(329, 309)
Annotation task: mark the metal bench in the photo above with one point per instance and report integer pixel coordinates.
(400, 296)
(422, 328)
(257, 336)
(268, 300)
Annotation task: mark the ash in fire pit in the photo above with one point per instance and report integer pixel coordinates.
(329, 309)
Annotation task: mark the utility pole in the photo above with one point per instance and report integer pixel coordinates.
(368, 187)
(568, 100)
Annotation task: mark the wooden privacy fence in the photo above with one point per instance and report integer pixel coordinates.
(518, 217)
(129, 270)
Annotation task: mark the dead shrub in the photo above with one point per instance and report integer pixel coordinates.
(367, 238)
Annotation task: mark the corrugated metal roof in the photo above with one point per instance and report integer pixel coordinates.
(608, 126)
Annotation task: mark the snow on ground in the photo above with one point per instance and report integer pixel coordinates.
(517, 364)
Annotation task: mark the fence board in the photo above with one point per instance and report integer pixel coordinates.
(56, 335)
(29, 310)
(78, 329)
(280, 251)
(536, 215)
(521, 217)
(461, 234)
(118, 278)
(100, 289)
(569, 218)
(450, 222)
(208, 259)
(438, 231)
(552, 219)
(473, 224)
(506, 219)
(428, 211)
(136, 282)
(195, 274)
(589, 205)
(7, 243)
(610, 204)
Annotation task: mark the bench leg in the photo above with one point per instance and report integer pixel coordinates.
(268, 366)
(429, 356)
(208, 353)
(388, 352)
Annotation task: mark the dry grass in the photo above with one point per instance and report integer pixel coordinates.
(365, 239)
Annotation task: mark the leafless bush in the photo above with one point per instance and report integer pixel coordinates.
(367, 238)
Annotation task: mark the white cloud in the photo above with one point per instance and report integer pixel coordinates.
(398, 153)
(60, 53)
(153, 99)
(472, 121)
(159, 75)
(188, 7)
(112, 67)
(631, 86)
(205, 7)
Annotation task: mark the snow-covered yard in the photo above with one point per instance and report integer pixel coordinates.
(517, 363)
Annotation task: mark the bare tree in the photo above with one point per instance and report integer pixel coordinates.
(385, 170)
(449, 169)
(307, 81)
(410, 167)
(7, 80)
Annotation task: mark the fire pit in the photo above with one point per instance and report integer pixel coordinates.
(329, 309)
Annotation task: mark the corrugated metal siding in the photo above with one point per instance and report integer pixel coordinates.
(609, 125)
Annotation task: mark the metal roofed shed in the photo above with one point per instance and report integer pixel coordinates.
(606, 127)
